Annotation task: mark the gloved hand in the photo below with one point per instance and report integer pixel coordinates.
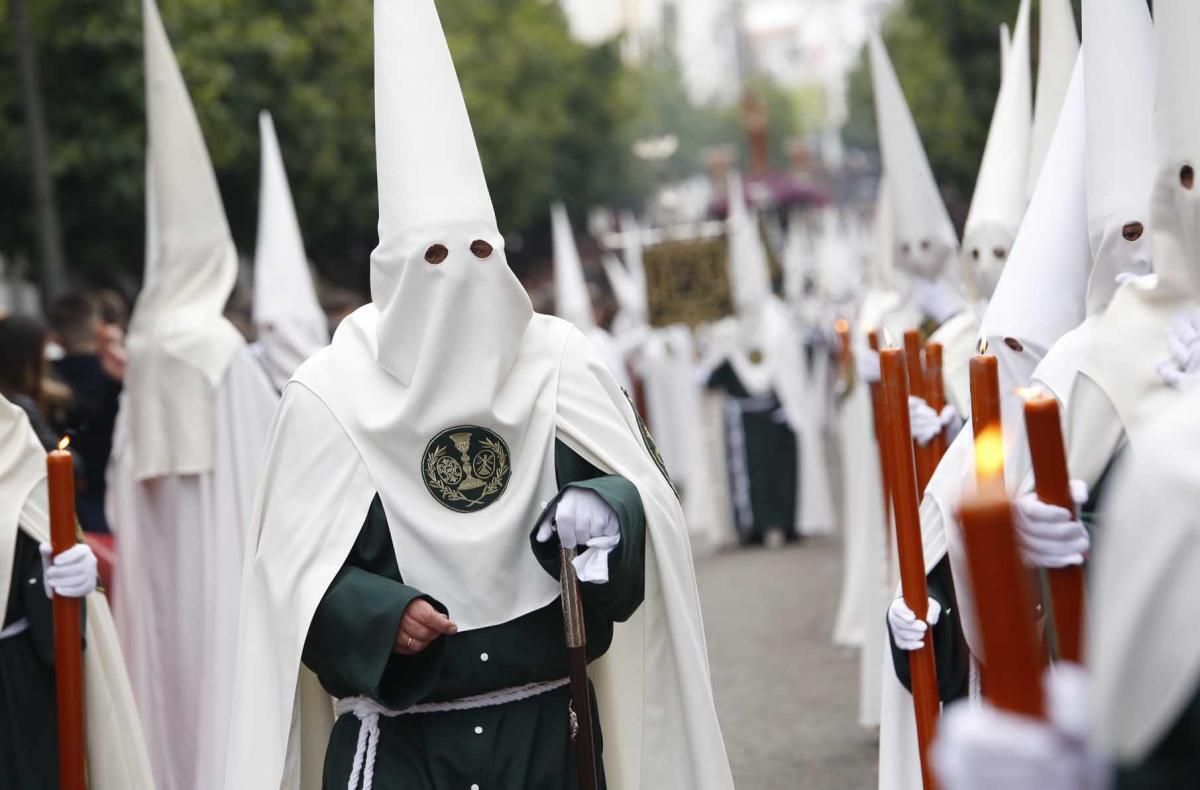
(583, 518)
(981, 748)
(907, 631)
(71, 574)
(936, 299)
(1049, 536)
(866, 363)
(1184, 343)
(926, 423)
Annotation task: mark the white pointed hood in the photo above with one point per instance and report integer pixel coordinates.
(433, 199)
(748, 267)
(180, 344)
(925, 239)
(1040, 296)
(999, 200)
(291, 325)
(635, 266)
(1119, 70)
(1058, 48)
(1005, 46)
(572, 302)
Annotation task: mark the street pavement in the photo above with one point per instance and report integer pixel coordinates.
(787, 698)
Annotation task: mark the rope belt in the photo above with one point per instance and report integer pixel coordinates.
(368, 712)
(14, 628)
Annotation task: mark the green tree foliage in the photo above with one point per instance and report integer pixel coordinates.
(947, 55)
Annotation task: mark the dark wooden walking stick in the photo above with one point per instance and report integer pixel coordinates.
(581, 699)
(905, 505)
(1049, 456)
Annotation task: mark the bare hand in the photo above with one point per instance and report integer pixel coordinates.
(420, 626)
(113, 358)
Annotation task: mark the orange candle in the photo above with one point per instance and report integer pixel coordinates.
(68, 639)
(935, 387)
(842, 328)
(905, 505)
(1046, 449)
(1003, 604)
(985, 408)
(916, 384)
(877, 410)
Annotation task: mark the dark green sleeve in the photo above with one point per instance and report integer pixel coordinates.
(949, 646)
(350, 639)
(1174, 763)
(620, 597)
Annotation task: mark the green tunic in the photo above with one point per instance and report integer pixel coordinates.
(762, 460)
(28, 716)
(519, 745)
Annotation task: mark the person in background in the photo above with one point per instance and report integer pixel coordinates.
(23, 370)
(76, 327)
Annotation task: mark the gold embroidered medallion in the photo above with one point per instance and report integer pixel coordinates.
(466, 468)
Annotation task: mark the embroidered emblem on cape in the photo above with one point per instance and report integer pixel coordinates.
(466, 468)
(651, 446)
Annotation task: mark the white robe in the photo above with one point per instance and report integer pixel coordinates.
(178, 581)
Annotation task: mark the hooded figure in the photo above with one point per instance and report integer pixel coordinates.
(999, 200)
(418, 471)
(1058, 49)
(757, 365)
(1034, 303)
(172, 489)
(573, 302)
(1143, 649)
(116, 751)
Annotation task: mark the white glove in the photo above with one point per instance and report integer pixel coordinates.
(981, 748)
(1049, 536)
(936, 299)
(927, 423)
(71, 574)
(866, 362)
(907, 631)
(583, 518)
(1184, 342)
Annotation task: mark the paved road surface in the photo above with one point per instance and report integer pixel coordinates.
(786, 696)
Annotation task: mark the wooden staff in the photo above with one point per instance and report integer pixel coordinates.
(880, 414)
(1003, 603)
(1044, 429)
(916, 383)
(581, 698)
(935, 388)
(68, 633)
(908, 543)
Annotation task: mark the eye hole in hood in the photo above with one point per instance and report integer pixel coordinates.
(436, 254)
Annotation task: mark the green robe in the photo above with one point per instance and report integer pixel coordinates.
(763, 460)
(949, 646)
(523, 745)
(28, 716)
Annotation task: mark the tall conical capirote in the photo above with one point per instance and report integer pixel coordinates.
(572, 302)
(1118, 57)
(923, 233)
(999, 200)
(291, 325)
(439, 277)
(1058, 49)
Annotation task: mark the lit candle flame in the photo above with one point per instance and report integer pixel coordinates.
(64, 442)
(888, 341)
(989, 453)
(841, 326)
(982, 346)
(1030, 393)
